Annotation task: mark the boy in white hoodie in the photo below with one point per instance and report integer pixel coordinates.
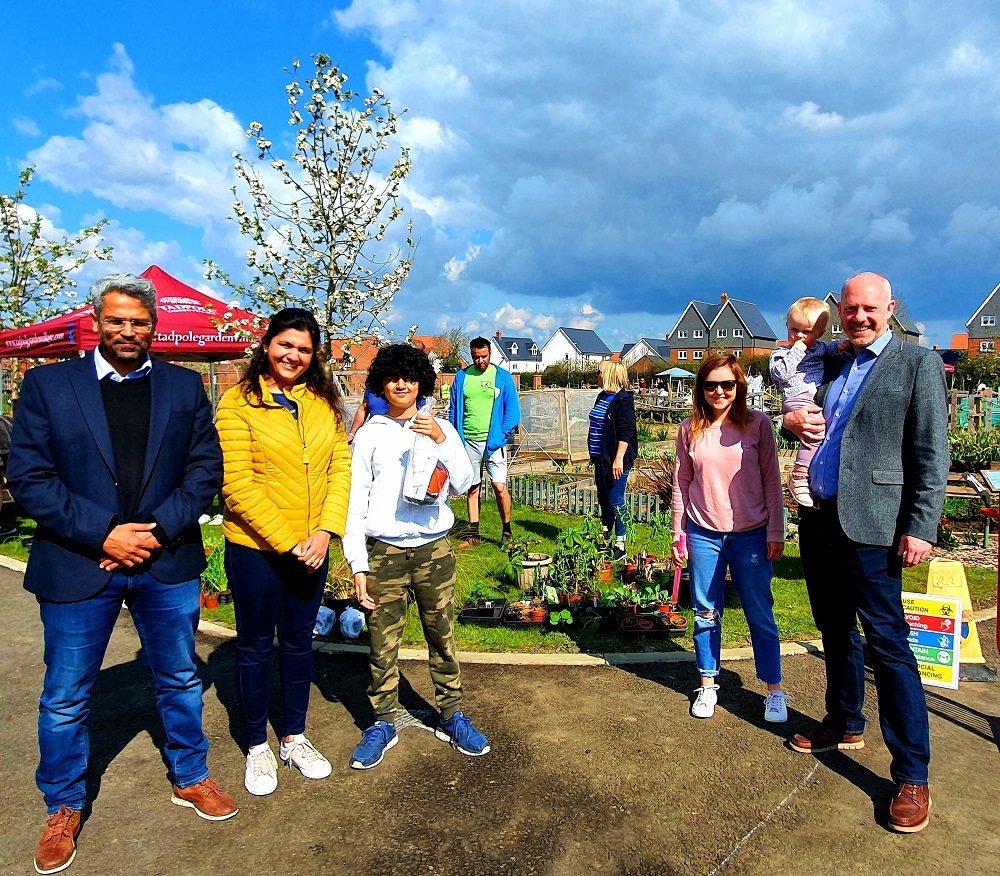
(398, 550)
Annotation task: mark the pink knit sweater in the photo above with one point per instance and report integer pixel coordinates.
(728, 480)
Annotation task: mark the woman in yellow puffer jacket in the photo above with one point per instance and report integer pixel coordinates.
(285, 489)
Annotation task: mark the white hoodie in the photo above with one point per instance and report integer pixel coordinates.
(377, 508)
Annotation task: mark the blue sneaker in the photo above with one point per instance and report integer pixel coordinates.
(458, 730)
(375, 742)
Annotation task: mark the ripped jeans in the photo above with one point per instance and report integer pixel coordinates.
(745, 553)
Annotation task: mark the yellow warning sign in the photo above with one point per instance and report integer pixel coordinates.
(947, 578)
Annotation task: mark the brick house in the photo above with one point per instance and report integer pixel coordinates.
(732, 325)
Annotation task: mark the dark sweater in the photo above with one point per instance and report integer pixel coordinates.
(126, 405)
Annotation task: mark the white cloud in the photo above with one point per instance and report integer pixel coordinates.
(454, 266)
(808, 116)
(43, 84)
(175, 159)
(974, 220)
(27, 127)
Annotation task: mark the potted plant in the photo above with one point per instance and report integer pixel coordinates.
(486, 606)
(213, 579)
(529, 568)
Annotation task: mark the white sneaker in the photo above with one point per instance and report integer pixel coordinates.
(261, 776)
(775, 710)
(704, 704)
(302, 754)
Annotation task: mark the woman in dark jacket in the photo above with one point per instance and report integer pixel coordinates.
(613, 448)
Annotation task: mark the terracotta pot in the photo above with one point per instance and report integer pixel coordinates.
(536, 615)
(629, 621)
(573, 598)
(212, 601)
(202, 598)
(630, 570)
(645, 623)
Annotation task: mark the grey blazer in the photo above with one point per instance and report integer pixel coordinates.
(894, 453)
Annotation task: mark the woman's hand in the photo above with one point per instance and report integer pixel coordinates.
(425, 424)
(775, 549)
(313, 550)
(676, 555)
(361, 590)
(617, 467)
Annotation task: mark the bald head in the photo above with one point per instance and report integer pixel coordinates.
(870, 281)
(865, 307)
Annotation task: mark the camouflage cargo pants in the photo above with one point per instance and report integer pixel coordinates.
(426, 575)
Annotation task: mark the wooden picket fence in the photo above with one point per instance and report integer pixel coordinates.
(579, 498)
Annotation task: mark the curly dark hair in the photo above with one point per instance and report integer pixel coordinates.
(401, 360)
(315, 376)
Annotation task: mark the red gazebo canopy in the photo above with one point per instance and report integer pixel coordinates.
(186, 328)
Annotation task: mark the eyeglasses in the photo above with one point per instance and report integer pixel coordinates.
(139, 326)
(713, 385)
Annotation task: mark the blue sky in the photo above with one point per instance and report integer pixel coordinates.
(590, 164)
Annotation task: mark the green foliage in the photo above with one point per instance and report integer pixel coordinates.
(213, 579)
(561, 617)
(569, 374)
(984, 368)
(457, 346)
(580, 550)
(974, 448)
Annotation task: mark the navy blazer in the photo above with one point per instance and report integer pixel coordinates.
(62, 472)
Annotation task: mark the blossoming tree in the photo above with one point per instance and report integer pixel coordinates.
(319, 222)
(37, 263)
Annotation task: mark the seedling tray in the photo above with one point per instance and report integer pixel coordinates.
(482, 616)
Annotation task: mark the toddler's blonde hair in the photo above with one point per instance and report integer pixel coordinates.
(810, 310)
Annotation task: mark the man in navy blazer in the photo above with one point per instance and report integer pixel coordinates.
(115, 457)
(878, 481)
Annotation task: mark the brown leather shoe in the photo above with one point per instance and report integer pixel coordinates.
(821, 738)
(207, 799)
(909, 811)
(471, 542)
(57, 847)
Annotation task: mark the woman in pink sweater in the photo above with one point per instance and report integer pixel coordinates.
(727, 498)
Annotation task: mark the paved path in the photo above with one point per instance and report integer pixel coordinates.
(595, 770)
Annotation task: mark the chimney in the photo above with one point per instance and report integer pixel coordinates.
(723, 298)
(499, 334)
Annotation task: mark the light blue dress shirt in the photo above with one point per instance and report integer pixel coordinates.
(104, 368)
(843, 393)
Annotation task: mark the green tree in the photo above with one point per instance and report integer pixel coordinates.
(984, 368)
(36, 265)
(456, 343)
(318, 219)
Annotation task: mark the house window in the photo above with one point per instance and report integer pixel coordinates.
(720, 333)
(534, 349)
(987, 346)
(682, 354)
(838, 329)
(513, 349)
(737, 333)
(737, 353)
(698, 354)
(987, 320)
(682, 333)
(698, 333)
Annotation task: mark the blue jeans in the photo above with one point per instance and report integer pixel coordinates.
(611, 495)
(745, 553)
(850, 582)
(269, 590)
(76, 637)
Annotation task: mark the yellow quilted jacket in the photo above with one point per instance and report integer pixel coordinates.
(284, 479)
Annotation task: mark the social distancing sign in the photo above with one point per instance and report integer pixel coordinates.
(935, 626)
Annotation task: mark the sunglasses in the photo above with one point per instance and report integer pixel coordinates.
(713, 385)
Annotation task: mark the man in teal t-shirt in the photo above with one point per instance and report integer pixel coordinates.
(485, 411)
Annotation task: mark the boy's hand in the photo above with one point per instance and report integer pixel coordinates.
(361, 590)
(425, 424)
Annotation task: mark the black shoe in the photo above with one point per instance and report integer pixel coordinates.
(8, 533)
(618, 554)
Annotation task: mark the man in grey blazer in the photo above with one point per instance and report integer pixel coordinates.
(878, 481)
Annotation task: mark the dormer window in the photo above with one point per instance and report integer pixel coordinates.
(534, 349)
(513, 349)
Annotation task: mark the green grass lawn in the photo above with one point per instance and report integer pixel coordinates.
(484, 569)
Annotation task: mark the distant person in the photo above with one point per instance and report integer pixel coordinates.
(613, 449)
(115, 457)
(642, 386)
(285, 491)
(879, 480)
(370, 405)
(727, 498)
(485, 412)
(399, 551)
(798, 370)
